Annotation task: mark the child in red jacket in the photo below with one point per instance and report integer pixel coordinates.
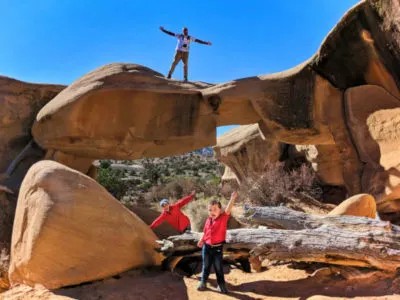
(213, 240)
(173, 215)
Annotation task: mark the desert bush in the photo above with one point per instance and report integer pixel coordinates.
(104, 164)
(179, 187)
(111, 180)
(151, 171)
(276, 183)
(228, 188)
(197, 211)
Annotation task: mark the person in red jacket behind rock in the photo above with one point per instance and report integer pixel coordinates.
(173, 215)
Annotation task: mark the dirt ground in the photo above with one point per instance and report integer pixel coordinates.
(278, 282)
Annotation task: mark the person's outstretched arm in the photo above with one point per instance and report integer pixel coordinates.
(167, 32)
(181, 203)
(202, 42)
(158, 221)
(231, 203)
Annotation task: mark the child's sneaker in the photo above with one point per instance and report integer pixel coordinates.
(202, 286)
(222, 289)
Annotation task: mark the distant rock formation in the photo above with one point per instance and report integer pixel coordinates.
(244, 151)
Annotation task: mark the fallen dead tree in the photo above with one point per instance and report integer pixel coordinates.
(342, 240)
(284, 218)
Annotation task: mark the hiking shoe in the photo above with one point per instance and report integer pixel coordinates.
(185, 80)
(202, 286)
(169, 76)
(222, 289)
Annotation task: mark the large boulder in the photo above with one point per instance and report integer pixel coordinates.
(362, 205)
(20, 102)
(126, 111)
(68, 229)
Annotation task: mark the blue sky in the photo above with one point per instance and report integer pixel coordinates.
(57, 41)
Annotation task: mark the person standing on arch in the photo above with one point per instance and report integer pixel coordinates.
(182, 49)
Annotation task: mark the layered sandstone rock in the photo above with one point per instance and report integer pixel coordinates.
(20, 102)
(79, 163)
(126, 111)
(245, 152)
(68, 230)
(373, 116)
(326, 161)
(362, 205)
(304, 105)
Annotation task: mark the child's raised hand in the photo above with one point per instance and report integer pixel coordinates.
(234, 195)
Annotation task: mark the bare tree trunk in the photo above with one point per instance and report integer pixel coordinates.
(284, 218)
(339, 240)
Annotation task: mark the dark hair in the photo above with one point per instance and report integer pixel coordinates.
(215, 202)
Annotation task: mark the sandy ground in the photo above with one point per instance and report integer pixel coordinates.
(278, 282)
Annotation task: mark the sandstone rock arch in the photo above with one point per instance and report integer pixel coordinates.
(347, 96)
(128, 111)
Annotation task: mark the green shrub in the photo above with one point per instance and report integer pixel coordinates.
(112, 181)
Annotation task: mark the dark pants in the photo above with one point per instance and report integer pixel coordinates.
(213, 256)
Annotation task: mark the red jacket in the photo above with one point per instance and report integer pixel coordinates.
(174, 216)
(215, 230)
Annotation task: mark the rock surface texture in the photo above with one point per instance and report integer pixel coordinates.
(126, 111)
(244, 151)
(68, 230)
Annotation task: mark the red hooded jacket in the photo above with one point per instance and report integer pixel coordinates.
(174, 216)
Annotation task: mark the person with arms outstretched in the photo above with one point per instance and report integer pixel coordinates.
(212, 242)
(173, 215)
(182, 49)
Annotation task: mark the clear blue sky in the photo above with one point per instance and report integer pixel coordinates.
(57, 41)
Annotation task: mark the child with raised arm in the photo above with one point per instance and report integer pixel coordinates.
(213, 240)
(173, 215)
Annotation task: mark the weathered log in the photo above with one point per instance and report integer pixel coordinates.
(328, 244)
(284, 218)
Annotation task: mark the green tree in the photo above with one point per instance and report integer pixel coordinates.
(151, 171)
(111, 180)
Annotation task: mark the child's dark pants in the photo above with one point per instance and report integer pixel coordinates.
(213, 256)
